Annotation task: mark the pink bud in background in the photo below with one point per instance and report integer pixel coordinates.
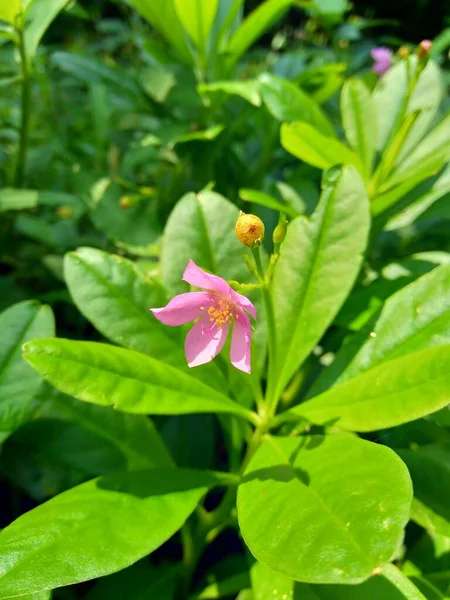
(424, 47)
(382, 60)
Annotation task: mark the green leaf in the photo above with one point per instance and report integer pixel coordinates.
(116, 297)
(97, 528)
(426, 159)
(248, 90)
(333, 9)
(391, 585)
(129, 381)
(308, 144)
(197, 17)
(162, 15)
(429, 467)
(287, 102)
(255, 25)
(320, 260)
(266, 200)
(13, 199)
(324, 509)
(139, 582)
(40, 15)
(415, 318)
(389, 96)
(9, 10)
(18, 383)
(359, 120)
(390, 394)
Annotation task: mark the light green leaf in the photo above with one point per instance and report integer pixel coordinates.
(129, 381)
(391, 585)
(116, 298)
(429, 467)
(197, 17)
(389, 95)
(18, 383)
(40, 15)
(97, 528)
(10, 10)
(162, 15)
(426, 159)
(331, 8)
(415, 318)
(287, 102)
(266, 200)
(359, 120)
(255, 25)
(390, 394)
(248, 90)
(13, 199)
(308, 144)
(324, 509)
(320, 260)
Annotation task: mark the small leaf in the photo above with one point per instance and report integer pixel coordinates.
(359, 120)
(12, 199)
(18, 383)
(320, 260)
(390, 394)
(324, 509)
(97, 528)
(197, 17)
(40, 15)
(10, 10)
(266, 200)
(308, 144)
(129, 381)
(248, 90)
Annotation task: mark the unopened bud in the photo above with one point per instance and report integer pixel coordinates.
(403, 51)
(249, 230)
(279, 232)
(424, 48)
(129, 201)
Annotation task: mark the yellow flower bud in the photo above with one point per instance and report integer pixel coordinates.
(403, 51)
(249, 230)
(65, 212)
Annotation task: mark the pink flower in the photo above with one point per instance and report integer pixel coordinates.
(213, 311)
(383, 60)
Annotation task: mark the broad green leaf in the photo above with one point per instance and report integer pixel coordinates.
(266, 200)
(44, 595)
(18, 383)
(392, 393)
(426, 159)
(324, 509)
(392, 584)
(129, 381)
(226, 586)
(389, 96)
(141, 581)
(10, 10)
(248, 90)
(255, 25)
(308, 144)
(162, 15)
(201, 228)
(39, 17)
(320, 260)
(116, 297)
(331, 9)
(287, 102)
(429, 467)
(97, 528)
(415, 318)
(359, 120)
(197, 17)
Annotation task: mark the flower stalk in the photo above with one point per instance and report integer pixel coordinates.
(20, 172)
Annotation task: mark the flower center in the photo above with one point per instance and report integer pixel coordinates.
(221, 311)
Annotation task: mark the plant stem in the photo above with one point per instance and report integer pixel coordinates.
(25, 114)
(271, 337)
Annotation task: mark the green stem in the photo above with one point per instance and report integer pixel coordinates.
(271, 337)
(25, 114)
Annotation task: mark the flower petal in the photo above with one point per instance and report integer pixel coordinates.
(244, 303)
(183, 308)
(204, 342)
(240, 344)
(199, 278)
